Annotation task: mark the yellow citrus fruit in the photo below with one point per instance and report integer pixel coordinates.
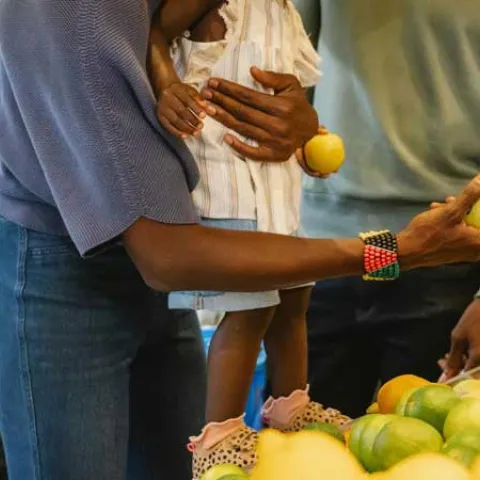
(271, 442)
(466, 387)
(373, 408)
(462, 454)
(473, 217)
(465, 415)
(325, 153)
(391, 392)
(309, 456)
(428, 466)
(476, 469)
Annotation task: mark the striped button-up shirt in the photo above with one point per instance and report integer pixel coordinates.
(268, 34)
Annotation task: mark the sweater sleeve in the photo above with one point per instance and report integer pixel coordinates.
(78, 69)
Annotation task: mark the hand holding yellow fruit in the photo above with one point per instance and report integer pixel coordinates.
(473, 217)
(323, 154)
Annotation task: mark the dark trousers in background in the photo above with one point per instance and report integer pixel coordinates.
(362, 333)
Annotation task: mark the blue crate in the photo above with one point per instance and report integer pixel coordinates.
(253, 415)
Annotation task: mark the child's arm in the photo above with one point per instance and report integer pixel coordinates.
(180, 108)
(174, 17)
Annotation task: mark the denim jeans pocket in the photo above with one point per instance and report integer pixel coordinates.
(40, 244)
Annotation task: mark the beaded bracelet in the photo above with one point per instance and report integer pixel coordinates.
(380, 256)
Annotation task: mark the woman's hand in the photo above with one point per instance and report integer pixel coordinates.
(279, 123)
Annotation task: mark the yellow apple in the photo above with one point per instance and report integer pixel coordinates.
(473, 217)
(325, 153)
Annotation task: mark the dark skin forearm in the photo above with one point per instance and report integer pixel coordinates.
(193, 257)
(172, 19)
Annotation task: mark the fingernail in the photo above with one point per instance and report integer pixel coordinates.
(211, 110)
(197, 133)
(228, 140)
(213, 83)
(183, 135)
(202, 114)
(207, 94)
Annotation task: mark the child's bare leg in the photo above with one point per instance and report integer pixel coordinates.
(290, 408)
(286, 343)
(232, 359)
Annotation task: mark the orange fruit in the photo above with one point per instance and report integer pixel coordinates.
(391, 392)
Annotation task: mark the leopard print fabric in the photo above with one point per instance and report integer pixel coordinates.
(237, 449)
(313, 413)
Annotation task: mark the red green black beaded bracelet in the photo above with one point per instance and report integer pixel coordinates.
(380, 256)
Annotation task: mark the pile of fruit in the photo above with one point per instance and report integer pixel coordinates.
(415, 431)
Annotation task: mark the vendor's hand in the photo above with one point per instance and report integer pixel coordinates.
(465, 346)
(180, 110)
(440, 235)
(279, 123)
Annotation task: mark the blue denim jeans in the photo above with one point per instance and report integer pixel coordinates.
(98, 379)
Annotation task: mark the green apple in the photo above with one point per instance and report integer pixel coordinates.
(325, 153)
(473, 217)
(223, 472)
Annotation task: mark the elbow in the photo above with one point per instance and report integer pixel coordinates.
(165, 278)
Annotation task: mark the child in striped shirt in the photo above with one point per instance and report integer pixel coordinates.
(226, 39)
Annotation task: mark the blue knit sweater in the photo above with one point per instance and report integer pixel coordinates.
(81, 152)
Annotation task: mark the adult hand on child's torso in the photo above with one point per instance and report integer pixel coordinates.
(279, 123)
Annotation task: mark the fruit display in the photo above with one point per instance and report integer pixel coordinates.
(430, 431)
(465, 414)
